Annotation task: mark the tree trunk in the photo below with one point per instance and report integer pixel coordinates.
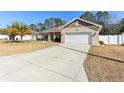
(21, 38)
(13, 37)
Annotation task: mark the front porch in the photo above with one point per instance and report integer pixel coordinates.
(51, 36)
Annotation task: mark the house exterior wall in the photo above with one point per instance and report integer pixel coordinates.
(17, 37)
(26, 37)
(4, 37)
(82, 28)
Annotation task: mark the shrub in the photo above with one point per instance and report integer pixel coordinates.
(101, 42)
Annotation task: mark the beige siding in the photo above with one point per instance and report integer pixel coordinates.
(83, 27)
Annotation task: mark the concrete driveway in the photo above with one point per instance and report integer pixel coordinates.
(60, 63)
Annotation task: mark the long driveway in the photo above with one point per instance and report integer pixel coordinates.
(60, 63)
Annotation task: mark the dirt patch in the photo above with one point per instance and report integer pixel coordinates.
(104, 67)
(10, 48)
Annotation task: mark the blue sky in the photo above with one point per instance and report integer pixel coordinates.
(29, 17)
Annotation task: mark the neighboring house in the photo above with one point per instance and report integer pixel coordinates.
(75, 31)
(32, 36)
(4, 37)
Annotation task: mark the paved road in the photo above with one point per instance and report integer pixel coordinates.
(60, 63)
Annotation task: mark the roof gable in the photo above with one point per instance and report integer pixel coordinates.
(82, 20)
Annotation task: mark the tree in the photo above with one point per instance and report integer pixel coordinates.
(122, 29)
(40, 27)
(88, 16)
(122, 21)
(53, 22)
(16, 28)
(104, 31)
(23, 29)
(118, 28)
(58, 22)
(33, 26)
(115, 32)
(12, 30)
(103, 18)
(47, 24)
(122, 25)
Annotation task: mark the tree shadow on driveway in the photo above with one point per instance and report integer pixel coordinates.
(121, 61)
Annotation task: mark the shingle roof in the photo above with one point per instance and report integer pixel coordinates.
(34, 32)
(55, 29)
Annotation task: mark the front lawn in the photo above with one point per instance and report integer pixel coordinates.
(10, 48)
(105, 63)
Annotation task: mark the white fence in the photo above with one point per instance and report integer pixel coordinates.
(112, 39)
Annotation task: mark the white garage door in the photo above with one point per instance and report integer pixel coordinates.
(83, 38)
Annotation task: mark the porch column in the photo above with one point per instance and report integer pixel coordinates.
(41, 36)
(54, 36)
(49, 39)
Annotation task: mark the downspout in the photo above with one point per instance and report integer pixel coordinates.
(118, 39)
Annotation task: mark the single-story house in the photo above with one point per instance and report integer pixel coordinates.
(75, 31)
(32, 36)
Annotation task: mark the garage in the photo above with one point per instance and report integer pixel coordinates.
(78, 37)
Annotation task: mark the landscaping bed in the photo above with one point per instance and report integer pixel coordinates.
(105, 63)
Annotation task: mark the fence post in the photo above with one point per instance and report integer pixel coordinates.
(108, 39)
(121, 38)
(118, 39)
